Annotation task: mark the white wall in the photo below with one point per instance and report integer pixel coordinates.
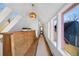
(25, 23)
(34, 25)
(18, 26)
(44, 10)
(52, 47)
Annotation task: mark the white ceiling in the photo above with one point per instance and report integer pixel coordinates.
(44, 10)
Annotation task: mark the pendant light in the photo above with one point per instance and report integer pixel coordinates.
(32, 13)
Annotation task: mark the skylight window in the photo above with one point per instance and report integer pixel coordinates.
(2, 6)
(12, 16)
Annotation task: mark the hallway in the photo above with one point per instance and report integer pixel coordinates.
(39, 48)
(42, 49)
(29, 30)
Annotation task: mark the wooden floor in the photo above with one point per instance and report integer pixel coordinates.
(39, 48)
(42, 49)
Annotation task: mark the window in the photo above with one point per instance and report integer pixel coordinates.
(12, 16)
(3, 25)
(55, 30)
(52, 30)
(71, 31)
(49, 30)
(2, 6)
(7, 21)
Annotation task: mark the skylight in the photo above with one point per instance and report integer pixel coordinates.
(2, 6)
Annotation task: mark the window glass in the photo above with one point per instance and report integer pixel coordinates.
(49, 30)
(2, 6)
(12, 16)
(7, 22)
(71, 31)
(55, 30)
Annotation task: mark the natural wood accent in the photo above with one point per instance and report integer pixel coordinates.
(72, 50)
(32, 50)
(22, 44)
(17, 43)
(6, 45)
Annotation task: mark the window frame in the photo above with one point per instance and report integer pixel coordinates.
(61, 32)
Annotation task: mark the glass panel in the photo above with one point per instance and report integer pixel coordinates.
(55, 30)
(49, 30)
(3, 25)
(2, 6)
(6, 22)
(71, 31)
(12, 16)
(78, 41)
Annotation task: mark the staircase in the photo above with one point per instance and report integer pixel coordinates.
(6, 26)
(15, 24)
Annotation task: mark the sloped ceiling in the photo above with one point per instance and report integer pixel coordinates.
(45, 10)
